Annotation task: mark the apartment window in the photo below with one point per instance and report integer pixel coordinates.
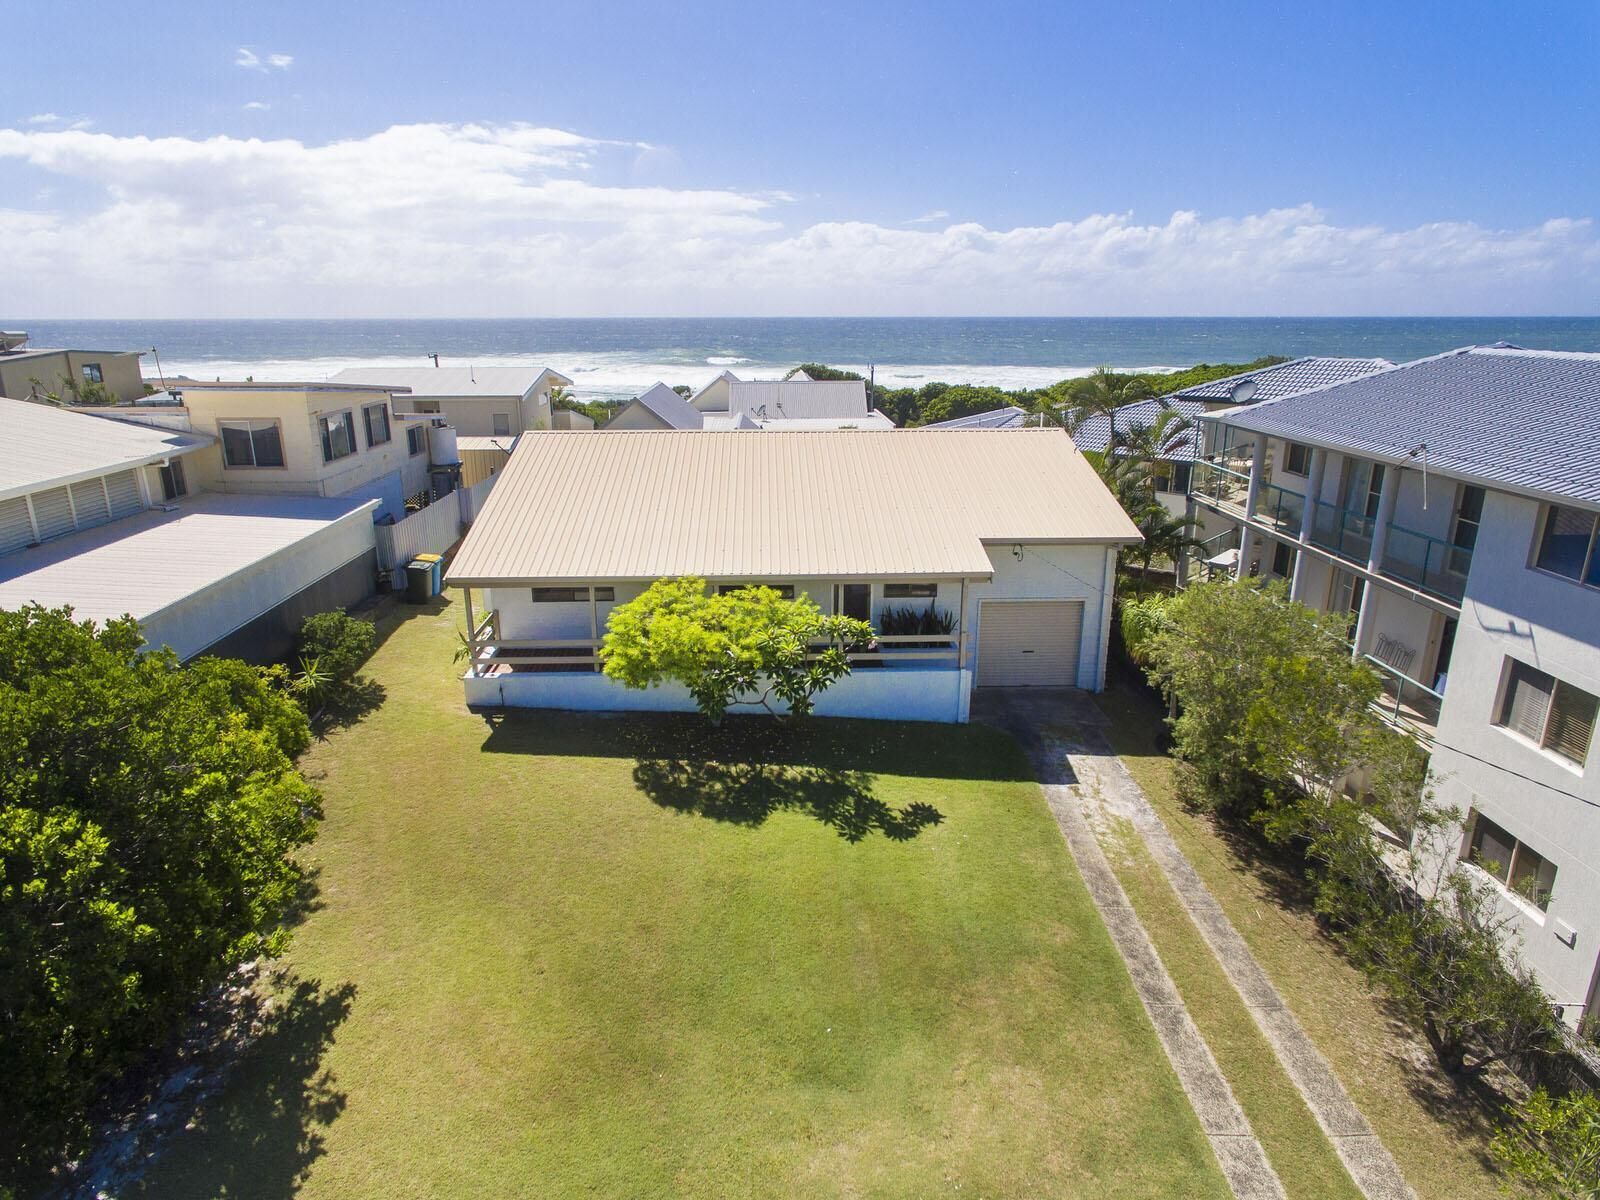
(1555, 716)
(251, 443)
(1180, 477)
(1282, 560)
(910, 591)
(502, 425)
(570, 595)
(1567, 545)
(1469, 515)
(416, 439)
(1297, 458)
(173, 484)
(338, 436)
(1527, 873)
(376, 418)
(786, 590)
(93, 374)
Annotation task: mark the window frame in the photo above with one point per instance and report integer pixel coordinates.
(494, 424)
(600, 594)
(173, 482)
(250, 424)
(382, 407)
(347, 420)
(1514, 867)
(92, 372)
(1591, 556)
(416, 438)
(1512, 672)
(1289, 451)
(911, 591)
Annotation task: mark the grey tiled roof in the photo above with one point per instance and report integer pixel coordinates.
(1095, 432)
(1520, 420)
(1010, 417)
(1285, 379)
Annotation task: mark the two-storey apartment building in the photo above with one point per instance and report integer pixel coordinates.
(1450, 507)
(475, 401)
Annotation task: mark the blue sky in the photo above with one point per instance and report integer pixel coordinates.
(552, 158)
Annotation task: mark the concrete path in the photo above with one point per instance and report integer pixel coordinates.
(1085, 783)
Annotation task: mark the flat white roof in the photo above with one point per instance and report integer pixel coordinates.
(149, 562)
(859, 503)
(42, 446)
(504, 442)
(454, 383)
(871, 420)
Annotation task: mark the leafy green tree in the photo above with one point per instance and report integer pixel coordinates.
(747, 646)
(1552, 1145)
(1166, 536)
(330, 650)
(1101, 394)
(148, 811)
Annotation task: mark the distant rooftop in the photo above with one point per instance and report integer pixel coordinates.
(454, 383)
(796, 399)
(1009, 417)
(180, 384)
(1095, 431)
(45, 446)
(1286, 379)
(670, 407)
(1516, 419)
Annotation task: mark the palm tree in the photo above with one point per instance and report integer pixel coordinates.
(1165, 536)
(1148, 444)
(1104, 391)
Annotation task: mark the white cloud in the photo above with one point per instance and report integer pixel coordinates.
(256, 106)
(520, 219)
(46, 118)
(928, 218)
(251, 61)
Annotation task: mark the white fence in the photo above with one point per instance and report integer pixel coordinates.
(433, 530)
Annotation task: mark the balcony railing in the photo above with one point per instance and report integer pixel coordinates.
(1219, 485)
(489, 654)
(1280, 508)
(1406, 703)
(1197, 558)
(1427, 563)
(1344, 531)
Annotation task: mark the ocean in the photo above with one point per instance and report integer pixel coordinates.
(617, 358)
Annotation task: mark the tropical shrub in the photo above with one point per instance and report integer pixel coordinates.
(148, 812)
(913, 622)
(330, 651)
(1552, 1145)
(748, 646)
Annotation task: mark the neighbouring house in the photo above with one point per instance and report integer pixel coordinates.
(1009, 417)
(1450, 506)
(475, 401)
(483, 457)
(658, 407)
(1010, 538)
(29, 374)
(780, 404)
(321, 439)
(106, 516)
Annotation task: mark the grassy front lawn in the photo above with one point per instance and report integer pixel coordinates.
(559, 955)
(1436, 1132)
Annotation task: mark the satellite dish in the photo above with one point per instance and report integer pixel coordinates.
(1242, 392)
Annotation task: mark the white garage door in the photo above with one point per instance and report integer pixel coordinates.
(1029, 643)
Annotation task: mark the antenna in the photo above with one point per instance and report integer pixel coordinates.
(159, 372)
(472, 373)
(435, 358)
(1421, 450)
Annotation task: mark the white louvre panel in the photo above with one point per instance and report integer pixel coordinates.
(89, 501)
(16, 531)
(53, 511)
(1029, 643)
(1528, 704)
(123, 488)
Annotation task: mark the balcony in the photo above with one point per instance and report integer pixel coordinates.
(1282, 509)
(1427, 563)
(1343, 531)
(1408, 705)
(1222, 486)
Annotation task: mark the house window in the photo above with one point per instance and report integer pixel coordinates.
(502, 425)
(172, 481)
(571, 595)
(1526, 872)
(1553, 715)
(786, 590)
(416, 439)
(910, 591)
(251, 443)
(1297, 458)
(1282, 560)
(338, 436)
(93, 374)
(376, 419)
(1180, 477)
(1567, 545)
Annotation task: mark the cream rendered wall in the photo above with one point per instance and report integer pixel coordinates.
(119, 371)
(715, 397)
(471, 416)
(636, 416)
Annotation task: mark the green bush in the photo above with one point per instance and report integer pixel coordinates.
(1552, 1145)
(148, 811)
(330, 651)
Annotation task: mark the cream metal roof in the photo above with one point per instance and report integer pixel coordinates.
(148, 562)
(454, 383)
(485, 444)
(618, 505)
(798, 399)
(42, 446)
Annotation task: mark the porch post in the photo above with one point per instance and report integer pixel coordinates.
(1319, 466)
(472, 633)
(594, 626)
(1258, 469)
(961, 631)
(1380, 528)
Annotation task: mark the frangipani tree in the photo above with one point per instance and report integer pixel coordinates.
(746, 646)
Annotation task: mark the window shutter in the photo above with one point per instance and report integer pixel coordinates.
(89, 501)
(16, 531)
(1571, 727)
(53, 511)
(1528, 701)
(123, 488)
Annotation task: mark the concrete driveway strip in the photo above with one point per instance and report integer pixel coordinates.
(1061, 732)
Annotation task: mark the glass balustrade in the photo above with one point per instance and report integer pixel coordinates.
(1280, 508)
(1342, 530)
(1427, 563)
(1406, 702)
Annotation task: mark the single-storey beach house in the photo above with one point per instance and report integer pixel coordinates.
(1010, 537)
(657, 407)
(475, 401)
(28, 373)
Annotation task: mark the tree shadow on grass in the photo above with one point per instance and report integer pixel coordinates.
(362, 695)
(747, 793)
(261, 1134)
